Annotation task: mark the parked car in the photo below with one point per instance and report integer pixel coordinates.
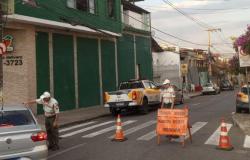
(21, 137)
(136, 95)
(210, 88)
(242, 102)
(226, 85)
(179, 98)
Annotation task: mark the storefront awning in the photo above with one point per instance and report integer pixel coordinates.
(54, 24)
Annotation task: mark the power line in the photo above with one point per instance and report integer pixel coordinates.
(200, 23)
(197, 9)
(163, 32)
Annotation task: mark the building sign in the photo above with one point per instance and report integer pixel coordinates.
(8, 41)
(184, 69)
(13, 60)
(244, 58)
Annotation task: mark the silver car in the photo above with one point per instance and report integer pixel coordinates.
(21, 137)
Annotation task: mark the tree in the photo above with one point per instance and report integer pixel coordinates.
(243, 42)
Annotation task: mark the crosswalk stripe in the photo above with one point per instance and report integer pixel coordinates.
(76, 126)
(139, 127)
(147, 136)
(86, 129)
(247, 142)
(91, 135)
(214, 138)
(196, 126)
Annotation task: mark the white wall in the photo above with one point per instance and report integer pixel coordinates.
(135, 20)
(166, 65)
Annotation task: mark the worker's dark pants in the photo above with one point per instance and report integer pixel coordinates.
(167, 105)
(52, 132)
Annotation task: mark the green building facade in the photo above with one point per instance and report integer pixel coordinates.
(84, 49)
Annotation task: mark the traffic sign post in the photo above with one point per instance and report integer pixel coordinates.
(245, 62)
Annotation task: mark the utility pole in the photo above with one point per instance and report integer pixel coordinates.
(209, 51)
(1, 56)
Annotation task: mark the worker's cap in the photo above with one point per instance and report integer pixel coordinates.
(45, 95)
(167, 81)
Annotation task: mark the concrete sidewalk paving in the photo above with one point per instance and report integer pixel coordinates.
(67, 118)
(243, 121)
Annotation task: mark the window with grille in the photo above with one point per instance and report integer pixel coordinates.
(82, 5)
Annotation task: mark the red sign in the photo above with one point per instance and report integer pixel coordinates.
(2, 48)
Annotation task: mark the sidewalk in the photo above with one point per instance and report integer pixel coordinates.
(67, 118)
(192, 95)
(243, 121)
(78, 115)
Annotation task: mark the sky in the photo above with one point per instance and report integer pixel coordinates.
(231, 16)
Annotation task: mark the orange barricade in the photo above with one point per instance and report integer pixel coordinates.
(173, 122)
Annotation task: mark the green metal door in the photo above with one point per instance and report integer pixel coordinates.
(88, 72)
(144, 57)
(63, 63)
(108, 65)
(126, 59)
(42, 65)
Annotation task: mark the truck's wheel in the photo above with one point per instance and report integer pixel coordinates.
(145, 107)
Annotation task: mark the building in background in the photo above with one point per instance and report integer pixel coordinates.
(76, 49)
(196, 61)
(166, 65)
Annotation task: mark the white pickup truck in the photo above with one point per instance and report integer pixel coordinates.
(134, 95)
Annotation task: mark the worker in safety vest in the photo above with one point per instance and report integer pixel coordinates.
(168, 95)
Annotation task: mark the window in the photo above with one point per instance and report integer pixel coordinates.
(111, 7)
(131, 85)
(82, 5)
(16, 118)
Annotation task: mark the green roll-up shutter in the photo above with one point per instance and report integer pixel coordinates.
(144, 57)
(108, 65)
(42, 65)
(88, 72)
(63, 63)
(126, 59)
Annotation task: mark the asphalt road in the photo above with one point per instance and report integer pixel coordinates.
(91, 140)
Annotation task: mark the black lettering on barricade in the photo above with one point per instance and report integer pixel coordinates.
(173, 122)
(12, 60)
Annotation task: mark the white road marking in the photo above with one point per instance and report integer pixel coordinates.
(148, 136)
(66, 150)
(196, 127)
(75, 126)
(139, 127)
(247, 142)
(86, 129)
(214, 138)
(91, 135)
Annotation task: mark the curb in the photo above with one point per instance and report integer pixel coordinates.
(237, 123)
(195, 95)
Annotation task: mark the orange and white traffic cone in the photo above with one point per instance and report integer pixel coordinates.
(224, 142)
(119, 136)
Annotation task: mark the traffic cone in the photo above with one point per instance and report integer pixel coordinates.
(224, 142)
(119, 136)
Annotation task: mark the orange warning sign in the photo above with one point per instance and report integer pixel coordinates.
(172, 122)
